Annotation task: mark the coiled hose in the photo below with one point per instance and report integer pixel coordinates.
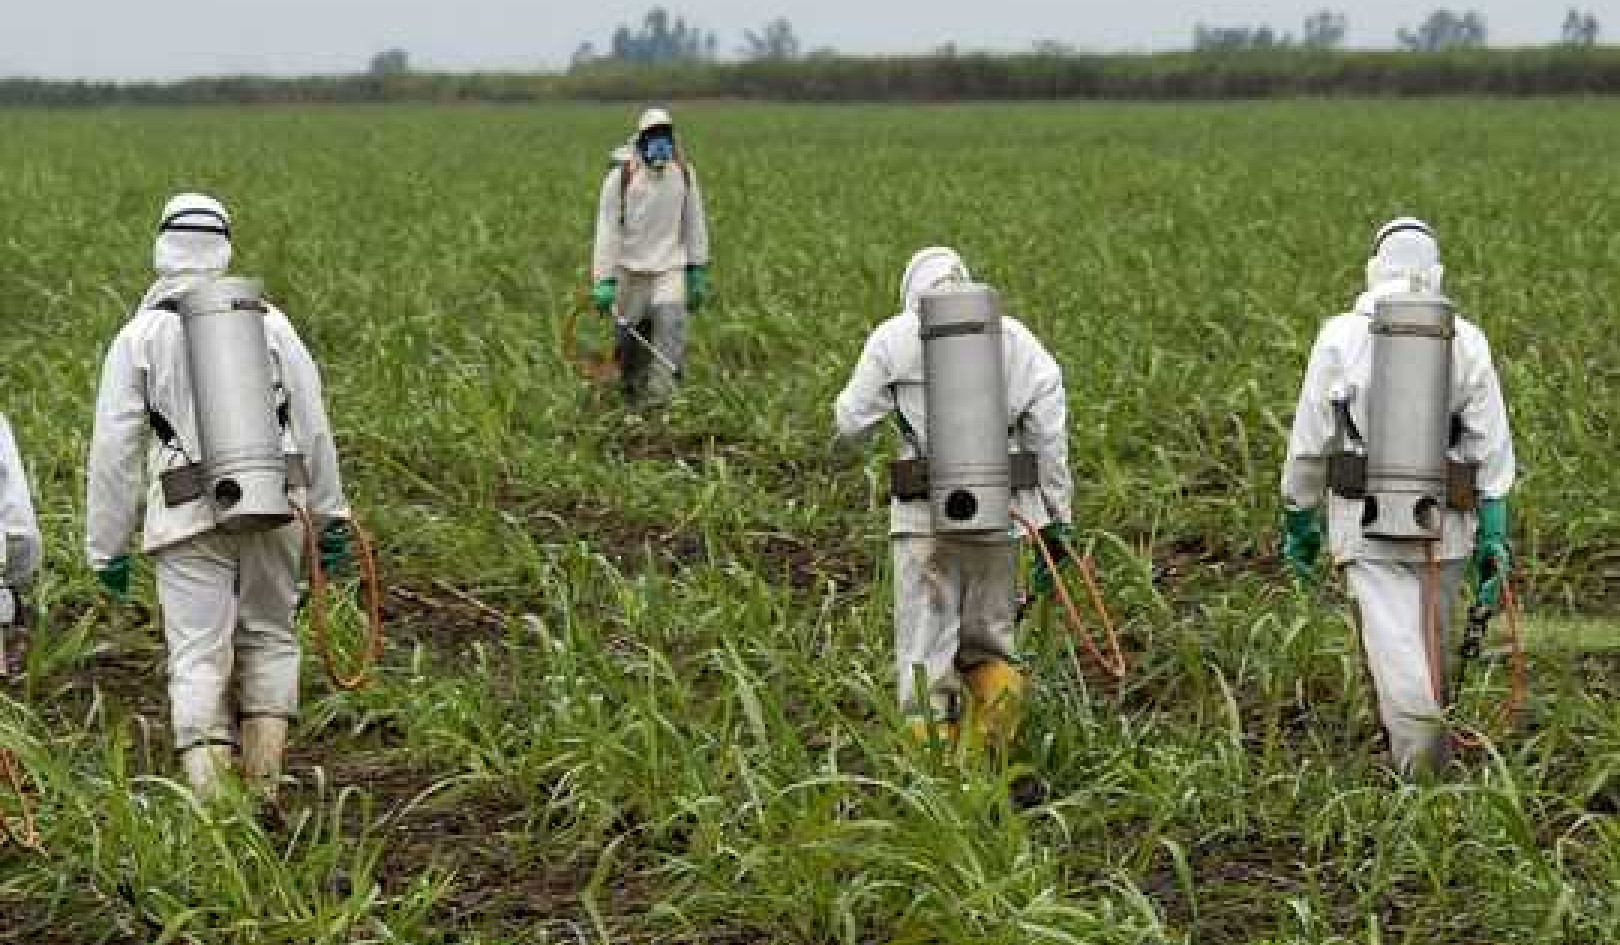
(373, 649)
(1114, 664)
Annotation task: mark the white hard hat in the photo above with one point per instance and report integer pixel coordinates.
(1405, 248)
(653, 118)
(929, 268)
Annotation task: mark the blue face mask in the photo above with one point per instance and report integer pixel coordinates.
(658, 150)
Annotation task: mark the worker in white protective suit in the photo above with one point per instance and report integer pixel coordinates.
(953, 596)
(19, 552)
(1386, 578)
(650, 264)
(227, 600)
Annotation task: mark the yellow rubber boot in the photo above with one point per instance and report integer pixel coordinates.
(924, 733)
(995, 702)
(264, 743)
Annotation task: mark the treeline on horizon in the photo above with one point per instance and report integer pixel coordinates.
(1181, 76)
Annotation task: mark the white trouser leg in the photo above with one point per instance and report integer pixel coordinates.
(635, 309)
(1390, 602)
(927, 620)
(669, 338)
(266, 647)
(987, 604)
(196, 586)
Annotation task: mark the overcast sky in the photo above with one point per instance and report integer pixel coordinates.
(136, 39)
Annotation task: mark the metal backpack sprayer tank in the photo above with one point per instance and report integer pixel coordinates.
(244, 473)
(1409, 477)
(970, 471)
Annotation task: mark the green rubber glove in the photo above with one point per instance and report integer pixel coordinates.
(333, 545)
(1302, 542)
(1058, 539)
(114, 578)
(697, 287)
(1492, 561)
(604, 294)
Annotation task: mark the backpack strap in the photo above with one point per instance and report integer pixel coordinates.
(627, 170)
(901, 423)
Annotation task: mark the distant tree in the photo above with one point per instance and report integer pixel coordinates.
(1445, 30)
(1580, 29)
(623, 45)
(662, 38)
(775, 40)
(1053, 47)
(390, 62)
(1324, 29)
(584, 55)
(1237, 38)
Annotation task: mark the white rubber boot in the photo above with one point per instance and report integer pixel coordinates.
(205, 765)
(264, 743)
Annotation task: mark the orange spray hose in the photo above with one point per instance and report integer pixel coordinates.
(317, 605)
(1518, 676)
(1433, 638)
(1114, 664)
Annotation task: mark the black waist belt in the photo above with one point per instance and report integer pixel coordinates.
(908, 478)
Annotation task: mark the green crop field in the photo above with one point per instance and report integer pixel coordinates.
(693, 739)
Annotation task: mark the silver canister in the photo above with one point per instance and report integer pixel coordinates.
(1409, 417)
(244, 471)
(969, 480)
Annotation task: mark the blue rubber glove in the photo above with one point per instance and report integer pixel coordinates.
(1492, 560)
(1302, 542)
(333, 545)
(604, 294)
(1058, 539)
(114, 578)
(697, 287)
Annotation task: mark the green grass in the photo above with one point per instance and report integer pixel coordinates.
(693, 739)
(1577, 634)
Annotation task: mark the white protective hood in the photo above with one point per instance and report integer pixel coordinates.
(194, 240)
(927, 269)
(1405, 250)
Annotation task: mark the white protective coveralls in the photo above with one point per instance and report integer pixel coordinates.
(21, 529)
(227, 600)
(650, 226)
(1386, 578)
(20, 554)
(953, 597)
